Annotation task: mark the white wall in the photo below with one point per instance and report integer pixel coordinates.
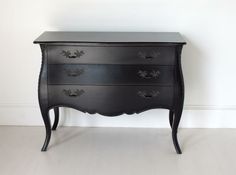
(208, 59)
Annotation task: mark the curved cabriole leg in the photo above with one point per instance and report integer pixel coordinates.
(171, 115)
(179, 99)
(177, 116)
(56, 113)
(43, 97)
(47, 123)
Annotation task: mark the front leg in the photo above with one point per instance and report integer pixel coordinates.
(177, 116)
(179, 99)
(43, 97)
(47, 123)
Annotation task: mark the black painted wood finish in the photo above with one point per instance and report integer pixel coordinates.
(111, 73)
(86, 74)
(110, 100)
(111, 55)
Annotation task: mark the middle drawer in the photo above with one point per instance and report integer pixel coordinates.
(92, 74)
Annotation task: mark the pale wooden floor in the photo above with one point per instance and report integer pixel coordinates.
(117, 151)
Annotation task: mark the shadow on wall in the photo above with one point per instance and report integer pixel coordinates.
(195, 75)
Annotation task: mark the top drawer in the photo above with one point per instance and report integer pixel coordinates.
(160, 55)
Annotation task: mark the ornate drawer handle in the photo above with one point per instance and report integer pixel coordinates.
(75, 93)
(148, 75)
(76, 54)
(146, 95)
(74, 73)
(151, 56)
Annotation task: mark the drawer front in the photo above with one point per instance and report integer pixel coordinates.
(110, 74)
(110, 100)
(111, 55)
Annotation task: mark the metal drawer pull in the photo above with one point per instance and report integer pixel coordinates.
(149, 75)
(146, 95)
(75, 93)
(151, 56)
(76, 54)
(74, 73)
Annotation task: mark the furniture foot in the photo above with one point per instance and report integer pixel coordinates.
(176, 144)
(56, 114)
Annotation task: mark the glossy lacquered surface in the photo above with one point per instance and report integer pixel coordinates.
(71, 54)
(110, 37)
(111, 74)
(98, 74)
(128, 99)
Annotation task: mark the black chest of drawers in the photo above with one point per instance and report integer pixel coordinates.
(111, 73)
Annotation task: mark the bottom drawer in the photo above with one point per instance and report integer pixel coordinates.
(110, 100)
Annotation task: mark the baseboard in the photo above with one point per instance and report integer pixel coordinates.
(194, 116)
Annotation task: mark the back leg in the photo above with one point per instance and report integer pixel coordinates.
(56, 114)
(171, 116)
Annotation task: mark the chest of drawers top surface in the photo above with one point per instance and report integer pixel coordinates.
(110, 37)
